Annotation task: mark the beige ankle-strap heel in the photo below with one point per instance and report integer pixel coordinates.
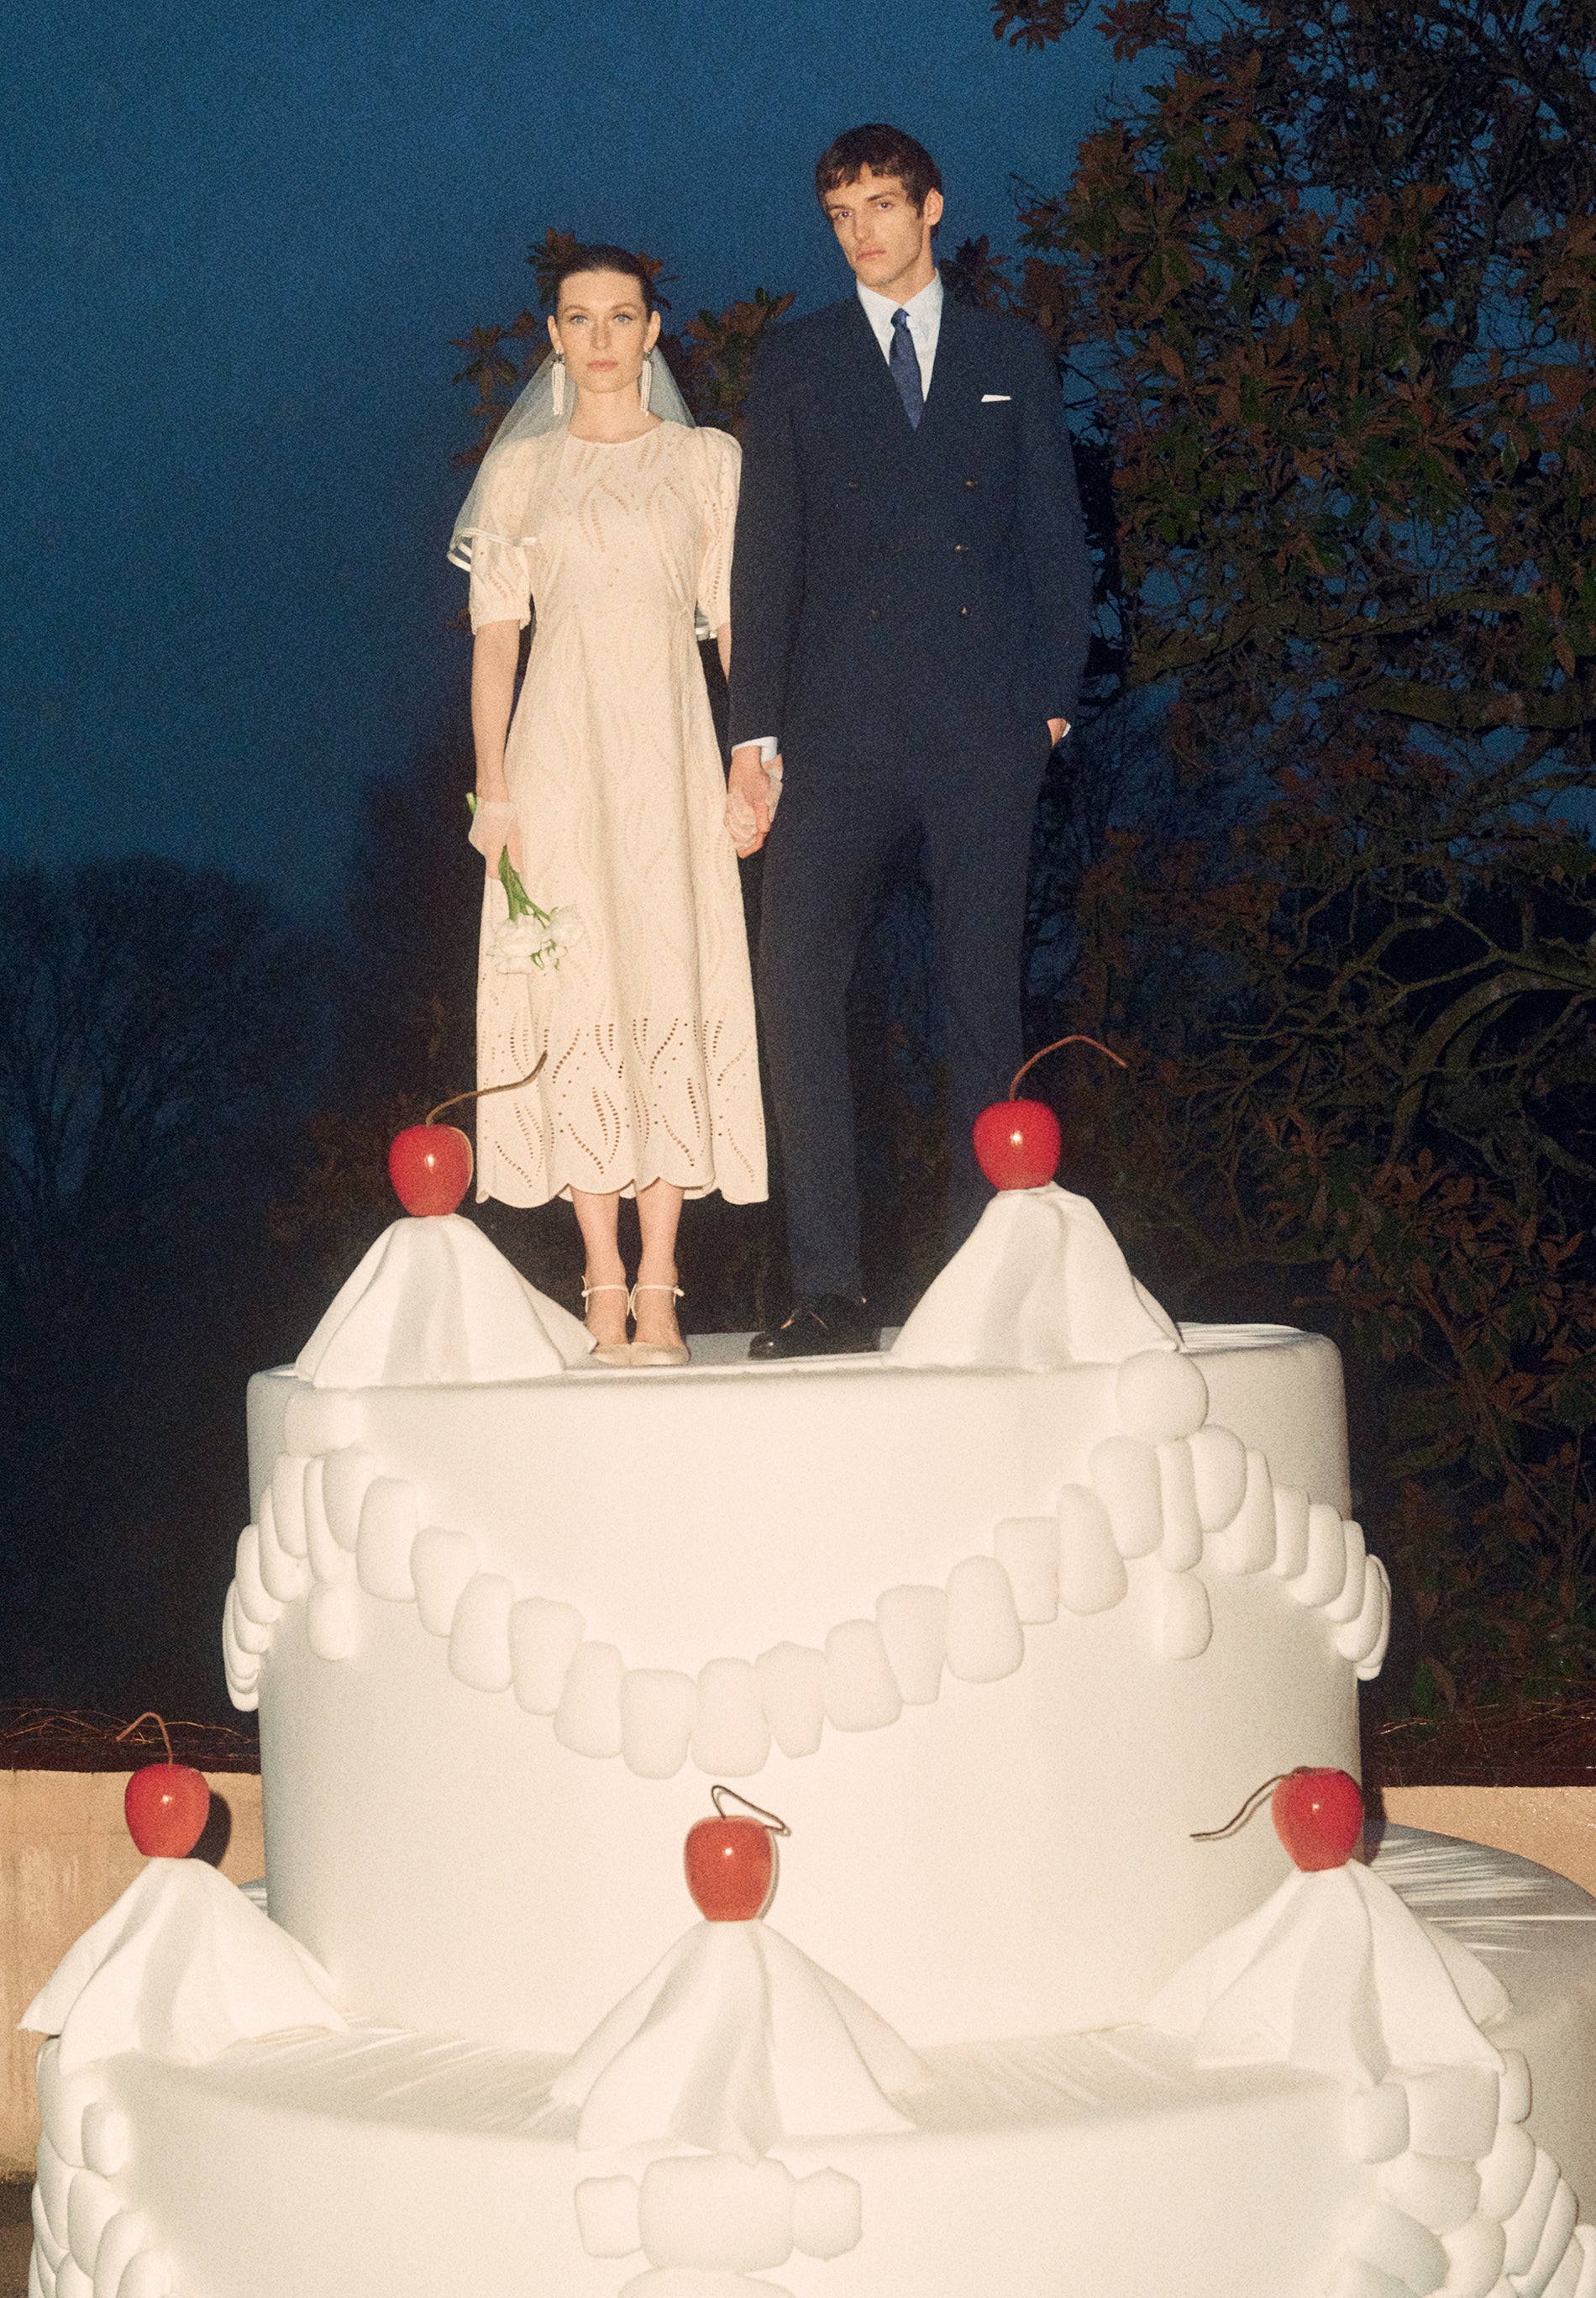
(608, 1352)
(656, 1352)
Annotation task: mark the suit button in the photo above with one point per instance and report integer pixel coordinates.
(875, 614)
(854, 486)
(972, 483)
(961, 546)
(964, 610)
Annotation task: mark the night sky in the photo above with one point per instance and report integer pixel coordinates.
(241, 237)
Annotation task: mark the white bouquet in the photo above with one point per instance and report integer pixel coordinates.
(529, 937)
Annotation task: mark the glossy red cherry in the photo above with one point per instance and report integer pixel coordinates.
(1017, 1144)
(167, 1807)
(1319, 1817)
(731, 1868)
(430, 1167)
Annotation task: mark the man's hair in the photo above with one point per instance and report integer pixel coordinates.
(599, 256)
(886, 151)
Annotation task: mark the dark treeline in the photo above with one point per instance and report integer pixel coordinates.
(1324, 298)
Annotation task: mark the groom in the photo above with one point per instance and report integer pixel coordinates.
(911, 600)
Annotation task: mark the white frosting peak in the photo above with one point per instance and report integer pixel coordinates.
(181, 1966)
(433, 1304)
(737, 2040)
(1334, 1974)
(1042, 1284)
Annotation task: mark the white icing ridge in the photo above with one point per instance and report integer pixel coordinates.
(1169, 1485)
(719, 2215)
(737, 2040)
(1334, 1975)
(1040, 1282)
(181, 1966)
(433, 1302)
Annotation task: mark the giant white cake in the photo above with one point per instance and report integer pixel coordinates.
(997, 1621)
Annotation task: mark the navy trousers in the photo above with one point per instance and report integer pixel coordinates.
(837, 822)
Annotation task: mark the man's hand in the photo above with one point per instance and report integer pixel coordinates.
(748, 799)
(1058, 728)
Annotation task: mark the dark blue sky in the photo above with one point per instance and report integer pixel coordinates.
(243, 234)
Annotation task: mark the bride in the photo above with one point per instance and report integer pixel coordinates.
(604, 513)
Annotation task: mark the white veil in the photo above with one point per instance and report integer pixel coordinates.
(508, 491)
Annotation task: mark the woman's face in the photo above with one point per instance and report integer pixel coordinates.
(602, 330)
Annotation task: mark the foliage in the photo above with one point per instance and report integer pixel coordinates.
(1331, 287)
(711, 359)
(406, 1035)
(158, 1035)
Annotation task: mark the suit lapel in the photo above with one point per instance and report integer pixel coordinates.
(878, 393)
(950, 371)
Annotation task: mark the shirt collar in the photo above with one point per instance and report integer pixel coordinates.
(924, 304)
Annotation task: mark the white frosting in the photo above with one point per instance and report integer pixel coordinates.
(1041, 1283)
(1338, 1976)
(388, 2165)
(714, 2215)
(1334, 1974)
(181, 1966)
(433, 1302)
(976, 1619)
(734, 2041)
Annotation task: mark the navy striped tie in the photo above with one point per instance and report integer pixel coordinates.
(905, 364)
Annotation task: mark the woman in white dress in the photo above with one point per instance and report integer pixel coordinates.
(605, 783)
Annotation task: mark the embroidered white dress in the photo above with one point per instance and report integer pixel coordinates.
(653, 1068)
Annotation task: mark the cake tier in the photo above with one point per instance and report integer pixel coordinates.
(1003, 1849)
(382, 2162)
(964, 1629)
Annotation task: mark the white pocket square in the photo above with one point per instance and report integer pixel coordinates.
(995, 397)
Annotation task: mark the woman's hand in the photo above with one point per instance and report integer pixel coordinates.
(494, 827)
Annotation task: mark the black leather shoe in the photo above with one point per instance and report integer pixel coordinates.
(826, 1325)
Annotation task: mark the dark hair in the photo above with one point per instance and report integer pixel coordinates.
(599, 256)
(886, 151)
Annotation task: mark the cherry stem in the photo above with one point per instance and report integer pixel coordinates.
(777, 1826)
(1078, 1039)
(149, 1716)
(482, 1091)
(1234, 1826)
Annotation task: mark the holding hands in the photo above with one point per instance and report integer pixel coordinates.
(753, 792)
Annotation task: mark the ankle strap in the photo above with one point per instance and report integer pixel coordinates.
(589, 1290)
(675, 1292)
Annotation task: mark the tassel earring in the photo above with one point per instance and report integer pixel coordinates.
(558, 393)
(644, 380)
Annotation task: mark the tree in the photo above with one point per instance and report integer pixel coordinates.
(159, 1030)
(1329, 287)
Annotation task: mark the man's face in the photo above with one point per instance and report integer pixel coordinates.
(887, 242)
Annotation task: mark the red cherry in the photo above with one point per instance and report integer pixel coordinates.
(167, 1807)
(731, 1868)
(1319, 1817)
(1017, 1144)
(430, 1167)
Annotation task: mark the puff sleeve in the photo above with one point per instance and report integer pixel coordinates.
(725, 460)
(501, 583)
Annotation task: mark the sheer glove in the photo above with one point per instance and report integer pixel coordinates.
(492, 828)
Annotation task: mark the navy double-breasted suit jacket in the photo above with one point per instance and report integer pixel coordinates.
(895, 587)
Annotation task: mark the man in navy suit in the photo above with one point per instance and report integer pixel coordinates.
(911, 600)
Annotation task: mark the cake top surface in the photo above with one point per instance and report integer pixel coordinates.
(1041, 1285)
